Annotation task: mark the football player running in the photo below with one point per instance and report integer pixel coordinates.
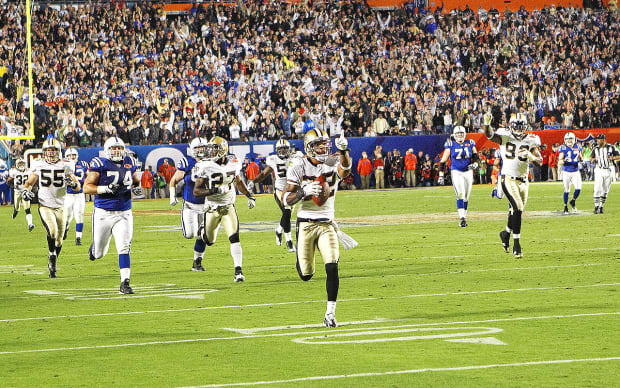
(463, 161)
(278, 165)
(315, 227)
(111, 179)
(53, 176)
(570, 154)
(18, 177)
(217, 176)
(74, 200)
(193, 207)
(517, 149)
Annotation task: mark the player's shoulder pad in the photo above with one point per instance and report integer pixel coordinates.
(448, 143)
(535, 139)
(183, 163)
(96, 163)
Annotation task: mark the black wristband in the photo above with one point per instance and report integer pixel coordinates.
(441, 166)
(249, 195)
(299, 194)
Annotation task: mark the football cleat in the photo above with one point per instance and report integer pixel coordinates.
(278, 238)
(573, 205)
(330, 321)
(64, 236)
(596, 210)
(516, 250)
(290, 246)
(51, 266)
(197, 266)
(14, 213)
(565, 210)
(494, 193)
(600, 210)
(463, 222)
(239, 275)
(505, 237)
(30, 227)
(78, 241)
(91, 257)
(125, 287)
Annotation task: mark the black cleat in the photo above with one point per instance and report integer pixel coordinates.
(596, 210)
(239, 275)
(463, 222)
(573, 205)
(565, 210)
(14, 213)
(78, 241)
(91, 257)
(64, 237)
(290, 246)
(600, 210)
(330, 321)
(30, 227)
(197, 266)
(125, 287)
(494, 193)
(51, 266)
(505, 237)
(278, 238)
(516, 249)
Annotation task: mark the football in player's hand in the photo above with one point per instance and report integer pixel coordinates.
(322, 197)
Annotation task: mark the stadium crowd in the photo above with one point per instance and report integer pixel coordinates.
(261, 70)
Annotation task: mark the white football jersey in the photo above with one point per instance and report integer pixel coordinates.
(19, 178)
(219, 175)
(302, 170)
(510, 146)
(52, 188)
(279, 167)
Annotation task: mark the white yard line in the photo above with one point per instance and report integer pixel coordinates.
(309, 301)
(410, 371)
(195, 340)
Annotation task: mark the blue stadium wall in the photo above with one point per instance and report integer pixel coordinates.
(154, 155)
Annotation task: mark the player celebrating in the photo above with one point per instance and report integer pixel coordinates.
(603, 155)
(278, 165)
(570, 154)
(463, 161)
(315, 227)
(74, 200)
(53, 175)
(110, 179)
(193, 208)
(216, 176)
(18, 177)
(517, 149)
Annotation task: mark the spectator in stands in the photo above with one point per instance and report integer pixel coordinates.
(364, 170)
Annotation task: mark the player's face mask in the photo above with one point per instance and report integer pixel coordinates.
(518, 128)
(117, 153)
(51, 155)
(200, 152)
(320, 149)
(283, 151)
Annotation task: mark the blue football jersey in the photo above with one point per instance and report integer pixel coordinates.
(4, 175)
(571, 157)
(110, 172)
(187, 165)
(460, 154)
(81, 168)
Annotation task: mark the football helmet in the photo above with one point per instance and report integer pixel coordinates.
(52, 151)
(569, 139)
(217, 148)
(518, 125)
(283, 148)
(198, 148)
(317, 144)
(114, 149)
(20, 165)
(71, 154)
(459, 133)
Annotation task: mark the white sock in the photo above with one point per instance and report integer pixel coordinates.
(51, 253)
(78, 234)
(198, 255)
(516, 236)
(508, 230)
(331, 307)
(288, 237)
(237, 254)
(125, 273)
(279, 229)
(29, 219)
(461, 213)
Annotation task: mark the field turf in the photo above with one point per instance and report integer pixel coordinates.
(422, 302)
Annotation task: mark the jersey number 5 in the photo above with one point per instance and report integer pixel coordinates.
(49, 178)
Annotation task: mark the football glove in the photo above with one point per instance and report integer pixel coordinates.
(525, 154)
(311, 188)
(342, 143)
(112, 188)
(473, 166)
(70, 182)
(173, 198)
(488, 117)
(250, 186)
(137, 191)
(27, 195)
(440, 181)
(251, 202)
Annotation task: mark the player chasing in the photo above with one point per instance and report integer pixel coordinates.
(517, 149)
(111, 179)
(463, 161)
(278, 165)
(53, 176)
(570, 155)
(315, 228)
(74, 200)
(18, 177)
(215, 177)
(192, 211)
(603, 155)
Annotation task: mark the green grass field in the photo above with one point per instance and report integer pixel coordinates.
(422, 302)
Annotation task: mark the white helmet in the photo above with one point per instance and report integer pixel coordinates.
(51, 150)
(518, 125)
(283, 148)
(71, 154)
(2, 165)
(198, 148)
(317, 144)
(114, 149)
(459, 133)
(569, 139)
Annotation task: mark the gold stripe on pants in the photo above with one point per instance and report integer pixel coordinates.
(54, 221)
(227, 216)
(312, 235)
